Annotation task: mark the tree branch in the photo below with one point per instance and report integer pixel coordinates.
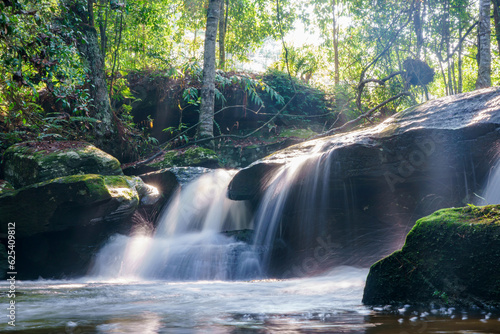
(365, 115)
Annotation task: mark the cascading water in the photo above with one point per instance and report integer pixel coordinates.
(188, 243)
(492, 191)
(269, 216)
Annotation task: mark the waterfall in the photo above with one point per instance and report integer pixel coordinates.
(492, 190)
(309, 171)
(188, 243)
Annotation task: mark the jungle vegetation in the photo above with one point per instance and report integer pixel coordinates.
(65, 65)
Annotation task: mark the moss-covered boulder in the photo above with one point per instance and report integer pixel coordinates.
(33, 162)
(61, 223)
(451, 257)
(192, 157)
(68, 201)
(297, 133)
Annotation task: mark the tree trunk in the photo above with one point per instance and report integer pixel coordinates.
(106, 130)
(496, 15)
(103, 24)
(460, 61)
(335, 44)
(206, 124)
(484, 55)
(417, 23)
(224, 8)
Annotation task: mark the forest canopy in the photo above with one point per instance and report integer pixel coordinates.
(66, 65)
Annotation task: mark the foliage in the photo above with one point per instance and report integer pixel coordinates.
(37, 54)
(44, 88)
(307, 100)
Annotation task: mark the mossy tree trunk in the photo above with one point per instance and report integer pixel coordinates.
(206, 125)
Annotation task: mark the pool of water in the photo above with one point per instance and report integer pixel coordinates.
(330, 303)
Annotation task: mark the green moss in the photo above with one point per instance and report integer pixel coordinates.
(26, 163)
(169, 160)
(452, 252)
(54, 205)
(193, 156)
(298, 133)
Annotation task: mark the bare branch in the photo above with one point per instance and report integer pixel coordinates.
(365, 115)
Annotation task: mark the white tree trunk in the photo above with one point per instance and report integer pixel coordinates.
(206, 126)
(484, 54)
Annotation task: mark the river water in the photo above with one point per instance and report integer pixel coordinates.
(128, 290)
(330, 303)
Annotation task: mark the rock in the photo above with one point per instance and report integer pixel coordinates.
(61, 223)
(69, 201)
(192, 157)
(245, 235)
(449, 258)
(184, 175)
(297, 133)
(33, 162)
(239, 156)
(377, 181)
(386, 149)
(167, 180)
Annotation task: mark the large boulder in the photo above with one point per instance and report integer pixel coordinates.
(62, 222)
(364, 189)
(69, 201)
(33, 162)
(449, 258)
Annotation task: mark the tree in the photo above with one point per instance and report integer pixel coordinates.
(206, 123)
(81, 16)
(224, 10)
(484, 55)
(335, 38)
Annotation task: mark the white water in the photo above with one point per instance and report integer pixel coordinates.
(187, 244)
(492, 191)
(268, 219)
(122, 306)
(330, 303)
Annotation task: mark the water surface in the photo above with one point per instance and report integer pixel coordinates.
(330, 303)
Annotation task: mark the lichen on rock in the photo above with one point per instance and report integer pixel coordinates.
(450, 258)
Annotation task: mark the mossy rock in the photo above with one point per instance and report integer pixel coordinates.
(297, 133)
(69, 201)
(33, 162)
(449, 258)
(192, 157)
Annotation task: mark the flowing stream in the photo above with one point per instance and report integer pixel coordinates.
(330, 303)
(190, 276)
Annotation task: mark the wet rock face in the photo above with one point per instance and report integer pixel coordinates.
(383, 178)
(65, 202)
(34, 162)
(61, 223)
(450, 258)
(68, 197)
